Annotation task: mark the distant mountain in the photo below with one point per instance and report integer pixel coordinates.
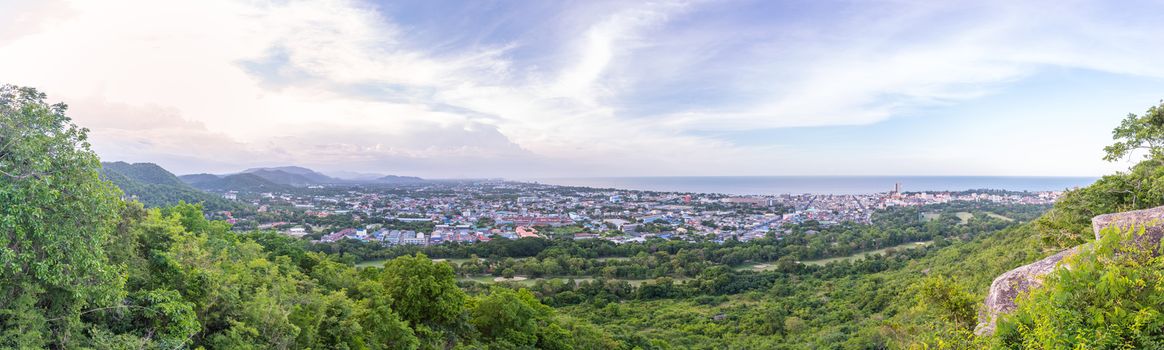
(245, 182)
(196, 178)
(394, 179)
(354, 176)
(300, 176)
(292, 175)
(281, 178)
(301, 172)
(154, 186)
(289, 169)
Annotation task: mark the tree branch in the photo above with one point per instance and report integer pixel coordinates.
(21, 177)
(102, 309)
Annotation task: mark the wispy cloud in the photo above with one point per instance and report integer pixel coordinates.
(591, 88)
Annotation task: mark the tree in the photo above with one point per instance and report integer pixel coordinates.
(165, 315)
(1135, 132)
(948, 299)
(425, 294)
(384, 328)
(503, 316)
(338, 328)
(55, 219)
(509, 319)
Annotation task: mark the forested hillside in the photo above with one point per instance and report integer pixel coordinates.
(290, 176)
(154, 186)
(760, 294)
(245, 182)
(82, 268)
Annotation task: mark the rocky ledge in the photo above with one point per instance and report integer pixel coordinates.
(1008, 286)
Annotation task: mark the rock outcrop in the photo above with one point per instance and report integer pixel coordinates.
(1008, 286)
(1152, 220)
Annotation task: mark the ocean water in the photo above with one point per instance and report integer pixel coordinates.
(771, 185)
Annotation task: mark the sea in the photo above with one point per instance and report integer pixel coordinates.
(775, 185)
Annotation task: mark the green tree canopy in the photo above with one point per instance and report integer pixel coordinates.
(55, 219)
(1139, 132)
(82, 269)
(510, 319)
(426, 295)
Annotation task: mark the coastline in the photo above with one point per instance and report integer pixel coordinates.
(836, 185)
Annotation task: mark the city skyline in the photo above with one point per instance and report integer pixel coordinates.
(528, 90)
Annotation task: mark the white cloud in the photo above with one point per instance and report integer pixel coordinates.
(155, 79)
(624, 89)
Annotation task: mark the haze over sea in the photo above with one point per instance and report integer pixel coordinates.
(772, 185)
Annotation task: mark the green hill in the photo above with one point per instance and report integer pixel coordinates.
(156, 187)
(245, 182)
(1107, 300)
(292, 175)
(396, 179)
(87, 270)
(259, 179)
(148, 173)
(196, 178)
(283, 177)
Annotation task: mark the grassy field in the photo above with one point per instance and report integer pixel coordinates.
(996, 216)
(380, 262)
(458, 262)
(617, 258)
(371, 263)
(772, 265)
(522, 280)
(864, 254)
(962, 215)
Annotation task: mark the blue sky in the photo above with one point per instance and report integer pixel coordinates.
(526, 89)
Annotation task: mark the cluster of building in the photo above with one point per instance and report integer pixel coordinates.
(441, 234)
(470, 212)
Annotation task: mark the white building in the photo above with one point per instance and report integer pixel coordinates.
(419, 239)
(297, 232)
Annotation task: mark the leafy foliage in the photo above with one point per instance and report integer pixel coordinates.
(79, 268)
(1068, 223)
(515, 319)
(426, 295)
(1111, 297)
(1139, 132)
(55, 218)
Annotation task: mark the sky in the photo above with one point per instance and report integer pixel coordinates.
(529, 89)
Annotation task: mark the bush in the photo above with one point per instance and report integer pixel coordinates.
(1111, 297)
